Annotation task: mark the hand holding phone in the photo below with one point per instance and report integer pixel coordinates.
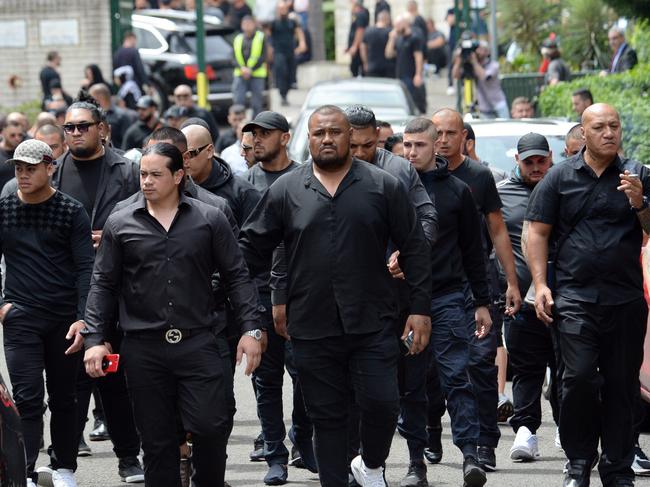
(110, 363)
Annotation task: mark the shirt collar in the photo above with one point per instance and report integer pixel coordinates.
(578, 161)
(141, 202)
(310, 178)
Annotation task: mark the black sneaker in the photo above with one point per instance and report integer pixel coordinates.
(100, 433)
(84, 450)
(487, 459)
(277, 475)
(473, 474)
(416, 476)
(641, 464)
(433, 452)
(296, 458)
(130, 470)
(257, 455)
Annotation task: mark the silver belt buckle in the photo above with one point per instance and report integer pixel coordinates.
(173, 335)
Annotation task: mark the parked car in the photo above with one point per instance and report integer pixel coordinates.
(166, 41)
(387, 98)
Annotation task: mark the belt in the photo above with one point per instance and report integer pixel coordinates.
(170, 335)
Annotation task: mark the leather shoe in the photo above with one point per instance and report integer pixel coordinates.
(578, 473)
(473, 474)
(100, 433)
(277, 475)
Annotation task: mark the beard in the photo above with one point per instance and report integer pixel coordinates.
(266, 156)
(331, 162)
(82, 152)
(146, 118)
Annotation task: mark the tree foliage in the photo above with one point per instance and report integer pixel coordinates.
(528, 22)
(634, 9)
(584, 33)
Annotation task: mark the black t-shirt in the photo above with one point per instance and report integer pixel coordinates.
(406, 47)
(6, 170)
(48, 74)
(80, 179)
(282, 34)
(481, 181)
(360, 20)
(376, 39)
(238, 13)
(262, 179)
(421, 25)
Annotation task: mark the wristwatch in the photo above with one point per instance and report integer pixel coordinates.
(644, 205)
(257, 334)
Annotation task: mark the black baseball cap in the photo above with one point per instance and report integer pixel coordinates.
(146, 102)
(268, 120)
(532, 144)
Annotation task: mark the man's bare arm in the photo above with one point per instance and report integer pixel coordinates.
(537, 258)
(503, 248)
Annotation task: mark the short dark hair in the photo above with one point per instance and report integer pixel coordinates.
(584, 93)
(170, 133)
(237, 108)
(470, 131)
(393, 140)
(196, 121)
(384, 124)
(49, 129)
(420, 125)
(86, 102)
(127, 34)
(52, 55)
(169, 151)
(361, 117)
(574, 132)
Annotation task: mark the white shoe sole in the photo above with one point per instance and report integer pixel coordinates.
(523, 454)
(356, 465)
(133, 479)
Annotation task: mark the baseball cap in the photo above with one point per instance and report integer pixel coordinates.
(268, 120)
(146, 102)
(532, 144)
(176, 111)
(32, 151)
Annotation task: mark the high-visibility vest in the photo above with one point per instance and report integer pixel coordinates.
(256, 53)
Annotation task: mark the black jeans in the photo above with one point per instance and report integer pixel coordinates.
(602, 350)
(116, 407)
(530, 351)
(31, 345)
(327, 368)
(193, 379)
(283, 67)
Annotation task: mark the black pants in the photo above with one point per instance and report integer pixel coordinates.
(31, 345)
(327, 368)
(192, 378)
(356, 65)
(117, 410)
(530, 351)
(283, 68)
(602, 349)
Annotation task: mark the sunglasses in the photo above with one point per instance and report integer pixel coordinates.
(82, 127)
(195, 152)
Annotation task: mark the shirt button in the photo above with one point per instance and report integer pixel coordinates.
(169, 281)
(171, 304)
(169, 259)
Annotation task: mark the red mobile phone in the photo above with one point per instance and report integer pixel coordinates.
(110, 363)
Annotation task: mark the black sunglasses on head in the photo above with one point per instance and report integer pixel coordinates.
(83, 127)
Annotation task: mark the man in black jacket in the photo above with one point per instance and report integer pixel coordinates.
(456, 255)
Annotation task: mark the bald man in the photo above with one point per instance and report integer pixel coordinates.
(183, 98)
(593, 210)
(118, 119)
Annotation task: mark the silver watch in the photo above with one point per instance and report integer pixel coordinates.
(257, 334)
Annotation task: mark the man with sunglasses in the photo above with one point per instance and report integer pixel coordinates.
(98, 177)
(148, 121)
(183, 98)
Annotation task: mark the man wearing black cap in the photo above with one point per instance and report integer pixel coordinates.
(530, 345)
(270, 132)
(147, 122)
(45, 240)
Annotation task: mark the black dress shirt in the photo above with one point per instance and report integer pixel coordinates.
(336, 249)
(599, 261)
(163, 279)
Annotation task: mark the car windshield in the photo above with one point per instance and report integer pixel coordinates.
(500, 150)
(372, 98)
(214, 43)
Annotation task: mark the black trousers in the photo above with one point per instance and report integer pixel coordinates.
(602, 350)
(31, 345)
(530, 352)
(327, 368)
(284, 64)
(193, 379)
(116, 406)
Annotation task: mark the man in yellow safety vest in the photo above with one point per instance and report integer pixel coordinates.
(249, 48)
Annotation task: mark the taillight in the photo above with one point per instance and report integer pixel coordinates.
(191, 70)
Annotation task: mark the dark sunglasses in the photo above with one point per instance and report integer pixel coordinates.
(82, 127)
(195, 152)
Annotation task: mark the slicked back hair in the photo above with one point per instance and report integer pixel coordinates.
(361, 117)
(574, 132)
(170, 133)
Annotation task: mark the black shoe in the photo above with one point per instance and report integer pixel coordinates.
(486, 458)
(257, 455)
(416, 476)
(100, 433)
(130, 470)
(296, 458)
(277, 475)
(284, 102)
(302, 453)
(578, 472)
(84, 450)
(473, 474)
(624, 482)
(432, 456)
(433, 452)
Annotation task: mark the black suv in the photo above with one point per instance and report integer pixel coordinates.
(166, 41)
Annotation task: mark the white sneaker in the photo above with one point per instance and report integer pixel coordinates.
(641, 464)
(63, 477)
(30, 482)
(525, 445)
(558, 442)
(367, 477)
(44, 476)
(451, 90)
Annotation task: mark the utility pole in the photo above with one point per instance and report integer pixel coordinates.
(202, 86)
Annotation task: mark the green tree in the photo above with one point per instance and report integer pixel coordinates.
(584, 33)
(528, 22)
(639, 9)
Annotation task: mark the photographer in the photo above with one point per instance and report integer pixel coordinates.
(472, 60)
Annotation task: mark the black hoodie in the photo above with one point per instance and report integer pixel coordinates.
(240, 194)
(458, 251)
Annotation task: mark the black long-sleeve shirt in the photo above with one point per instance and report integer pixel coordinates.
(458, 252)
(336, 249)
(163, 279)
(49, 255)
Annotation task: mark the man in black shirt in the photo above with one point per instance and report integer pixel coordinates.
(50, 73)
(148, 121)
(172, 351)
(373, 48)
(360, 21)
(483, 372)
(381, 6)
(530, 344)
(407, 48)
(183, 98)
(456, 253)
(128, 55)
(270, 132)
(594, 207)
(45, 240)
(336, 217)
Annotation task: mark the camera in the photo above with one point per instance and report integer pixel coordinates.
(468, 45)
